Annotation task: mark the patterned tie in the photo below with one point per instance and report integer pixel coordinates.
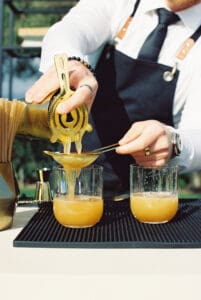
(152, 45)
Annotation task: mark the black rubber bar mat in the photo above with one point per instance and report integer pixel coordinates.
(117, 229)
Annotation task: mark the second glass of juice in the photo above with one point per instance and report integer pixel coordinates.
(78, 196)
(153, 193)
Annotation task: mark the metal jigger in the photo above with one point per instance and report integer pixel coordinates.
(43, 192)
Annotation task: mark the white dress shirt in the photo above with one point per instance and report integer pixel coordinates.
(90, 24)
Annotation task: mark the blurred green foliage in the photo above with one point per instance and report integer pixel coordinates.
(32, 19)
(29, 20)
(28, 154)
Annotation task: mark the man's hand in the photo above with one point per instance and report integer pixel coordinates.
(81, 80)
(149, 142)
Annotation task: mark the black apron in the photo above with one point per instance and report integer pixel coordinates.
(130, 90)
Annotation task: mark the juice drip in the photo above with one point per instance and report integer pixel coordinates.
(71, 174)
(67, 146)
(78, 143)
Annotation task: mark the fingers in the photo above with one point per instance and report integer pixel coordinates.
(154, 160)
(141, 135)
(46, 86)
(82, 82)
(148, 142)
(83, 95)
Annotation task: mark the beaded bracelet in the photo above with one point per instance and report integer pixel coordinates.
(88, 66)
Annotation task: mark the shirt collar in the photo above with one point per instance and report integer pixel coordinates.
(190, 16)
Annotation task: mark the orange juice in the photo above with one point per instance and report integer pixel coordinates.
(78, 211)
(154, 207)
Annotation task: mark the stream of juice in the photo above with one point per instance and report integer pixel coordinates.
(71, 175)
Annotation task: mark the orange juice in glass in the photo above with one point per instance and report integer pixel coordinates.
(77, 200)
(153, 194)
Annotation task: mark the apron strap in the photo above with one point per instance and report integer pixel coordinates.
(195, 36)
(135, 8)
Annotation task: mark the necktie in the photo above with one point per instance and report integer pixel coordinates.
(152, 45)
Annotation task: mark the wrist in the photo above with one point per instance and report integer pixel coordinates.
(83, 62)
(175, 141)
(176, 144)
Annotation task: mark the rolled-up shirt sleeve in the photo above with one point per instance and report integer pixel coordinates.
(82, 31)
(190, 127)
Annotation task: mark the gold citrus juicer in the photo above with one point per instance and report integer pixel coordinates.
(71, 127)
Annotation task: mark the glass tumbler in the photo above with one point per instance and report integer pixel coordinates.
(153, 193)
(77, 196)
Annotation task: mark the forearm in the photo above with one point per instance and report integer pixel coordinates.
(83, 30)
(189, 125)
(190, 157)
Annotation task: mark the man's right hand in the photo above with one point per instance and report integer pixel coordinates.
(82, 81)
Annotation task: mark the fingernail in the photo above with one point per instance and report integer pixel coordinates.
(121, 141)
(28, 99)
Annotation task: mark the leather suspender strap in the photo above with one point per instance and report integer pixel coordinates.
(122, 32)
(120, 35)
(188, 44)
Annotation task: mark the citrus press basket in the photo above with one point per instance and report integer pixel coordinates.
(68, 127)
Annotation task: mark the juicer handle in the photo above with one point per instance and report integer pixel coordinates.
(61, 63)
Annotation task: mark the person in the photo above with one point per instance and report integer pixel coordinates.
(150, 106)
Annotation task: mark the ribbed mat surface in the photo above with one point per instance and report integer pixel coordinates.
(117, 229)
